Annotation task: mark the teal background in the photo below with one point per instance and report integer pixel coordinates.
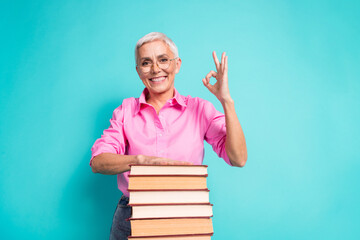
(294, 73)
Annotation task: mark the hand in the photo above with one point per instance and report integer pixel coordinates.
(150, 160)
(220, 89)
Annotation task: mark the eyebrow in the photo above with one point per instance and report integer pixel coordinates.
(159, 56)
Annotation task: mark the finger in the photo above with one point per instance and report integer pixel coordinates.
(185, 163)
(222, 61)
(207, 80)
(181, 163)
(216, 60)
(172, 162)
(208, 85)
(161, 161)
(211, 74)
(226, 63)
(168, 161)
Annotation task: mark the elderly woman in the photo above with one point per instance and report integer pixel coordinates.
(164, 127)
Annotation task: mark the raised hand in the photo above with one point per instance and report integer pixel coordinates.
(221, 88)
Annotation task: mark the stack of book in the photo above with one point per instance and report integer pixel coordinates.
(169, 202)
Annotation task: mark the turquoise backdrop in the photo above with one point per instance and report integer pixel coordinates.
(294, 73)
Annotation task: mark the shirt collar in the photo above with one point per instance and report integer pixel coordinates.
(177, 99)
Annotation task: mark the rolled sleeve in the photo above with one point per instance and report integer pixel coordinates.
(113, 139)
(216, 131)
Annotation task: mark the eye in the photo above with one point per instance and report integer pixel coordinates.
(164, 60)
(145, 63)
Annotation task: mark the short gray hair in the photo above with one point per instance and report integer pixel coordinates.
(152, 37)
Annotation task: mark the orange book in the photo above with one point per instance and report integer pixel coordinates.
(175, 237)
(170, 226)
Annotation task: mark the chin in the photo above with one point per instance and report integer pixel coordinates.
(159, 86)
(159, 90)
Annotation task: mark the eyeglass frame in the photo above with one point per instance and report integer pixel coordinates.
(157, 65)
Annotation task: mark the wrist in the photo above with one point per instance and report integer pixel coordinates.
(139, 159)
(226, 101)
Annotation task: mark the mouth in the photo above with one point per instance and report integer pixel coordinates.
(158, 79)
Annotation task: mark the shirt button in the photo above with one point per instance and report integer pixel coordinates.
(160, 134)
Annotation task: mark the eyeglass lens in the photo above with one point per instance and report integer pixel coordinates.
(163, 63)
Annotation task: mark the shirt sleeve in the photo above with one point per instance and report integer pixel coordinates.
(113, 139)
(215, 134)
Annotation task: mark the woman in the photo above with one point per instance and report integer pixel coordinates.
(164, 127)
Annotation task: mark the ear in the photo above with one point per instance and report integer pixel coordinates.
(137, 70)
(178, 65)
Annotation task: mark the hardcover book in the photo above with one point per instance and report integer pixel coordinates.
(173, 226)
(143, 182)
(170, 202)
(168, 196)
(168, 169)
(143, 211)
(175, 237)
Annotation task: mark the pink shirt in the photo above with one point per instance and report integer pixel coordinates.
(177, 133)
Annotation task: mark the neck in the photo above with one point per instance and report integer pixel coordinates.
(159, 100)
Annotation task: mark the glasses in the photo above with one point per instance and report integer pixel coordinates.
(162, 63)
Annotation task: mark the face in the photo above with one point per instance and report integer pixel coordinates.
(158, 81)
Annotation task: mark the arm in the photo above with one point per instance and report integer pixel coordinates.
(109, 151)
(112, 163)
(235, 144)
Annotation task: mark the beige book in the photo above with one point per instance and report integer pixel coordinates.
(174, 226)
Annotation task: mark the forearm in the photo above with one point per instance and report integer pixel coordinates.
(111, 164)
(235, 144)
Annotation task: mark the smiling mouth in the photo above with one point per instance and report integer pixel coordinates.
(157, 79)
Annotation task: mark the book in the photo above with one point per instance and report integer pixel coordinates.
(168, 169)
(169, 202)
(171, 226)
(143, 211)
(143, 182)
(175, 237)
(168, 196)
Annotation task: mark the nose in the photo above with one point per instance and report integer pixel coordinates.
(155, 67)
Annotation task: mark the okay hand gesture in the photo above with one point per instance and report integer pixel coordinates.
(220, 89)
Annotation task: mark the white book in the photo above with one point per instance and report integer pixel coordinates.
(168, 196)
(168, 170)
(171, 211)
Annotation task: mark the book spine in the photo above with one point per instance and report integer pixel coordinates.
(168, 175)
(167, 190)
(168, 236)
(168, 204)
(151, 165)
